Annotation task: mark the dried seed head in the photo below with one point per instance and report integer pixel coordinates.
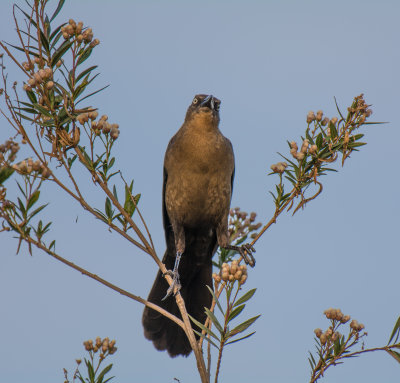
(93, 115)
(318, 332)
(310, 117)
(106, 127)
(59, 63)
(313, 149)
(304, 146)
(334, 120)
(243, 279)
(79, 27)
(32, 82)
(113, 350)
(41, 73)
(300, 156)
(293, 145)
(79, 38)
(319, 115)
(325, 121)
(50, 85)
(345, 318)
(225, 276)
(323, 339)
(114, 133)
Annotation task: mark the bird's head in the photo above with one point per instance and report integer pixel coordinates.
(204, 108)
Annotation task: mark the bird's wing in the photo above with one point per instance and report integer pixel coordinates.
(169, 234)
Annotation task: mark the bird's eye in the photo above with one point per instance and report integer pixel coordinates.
(216, 107)
(195, 101)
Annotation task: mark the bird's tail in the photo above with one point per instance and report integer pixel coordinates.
(164, 333)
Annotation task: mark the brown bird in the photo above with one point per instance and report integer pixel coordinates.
(199, 168)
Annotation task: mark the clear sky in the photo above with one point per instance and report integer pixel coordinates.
(270, 62)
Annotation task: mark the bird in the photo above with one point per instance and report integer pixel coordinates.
(199, 168)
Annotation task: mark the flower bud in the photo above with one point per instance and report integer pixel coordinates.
(318, 332)
(310, 117)
(304, 146)
(325, 121)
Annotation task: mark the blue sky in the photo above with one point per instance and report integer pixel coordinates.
(270, 63)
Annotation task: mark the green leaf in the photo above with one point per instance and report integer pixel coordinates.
(52, 245)
(84, 56)
(33, 199)
(5, 173)
(395, 354)
(208, 339)
(115, 192)
(396, 330)
(60, 52)
(239, 339)
(108, 208)
(243, 326)
(215, 299)
(45, 43)
(90, 371)
(214, 320)
(58, 9)
(22, 207)
(235, 312)
(85, 72)
(337, 107)
(39, 209)
(92, 94)
(245, 297)
(102, 373)
(202, 327)
(333, 130)
(31, 96)
(42, 110)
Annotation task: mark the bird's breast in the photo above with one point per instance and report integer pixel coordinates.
(198, 188)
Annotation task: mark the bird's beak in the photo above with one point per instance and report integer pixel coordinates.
(208, 102)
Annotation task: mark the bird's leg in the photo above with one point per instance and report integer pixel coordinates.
(175, 285)
(246, 251)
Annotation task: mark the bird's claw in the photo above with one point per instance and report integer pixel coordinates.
(175, 285)
(246, 251)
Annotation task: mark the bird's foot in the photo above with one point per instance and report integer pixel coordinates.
(175, 285)
(246, 251)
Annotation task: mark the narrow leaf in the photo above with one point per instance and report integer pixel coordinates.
(396, 330)
(202, 327)
(396, 355)
(215, 299)
(235, 312)
(243, 337)
(243, 326)
(214, 320)
(58, 9)
(245, 297)
(33, 199)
